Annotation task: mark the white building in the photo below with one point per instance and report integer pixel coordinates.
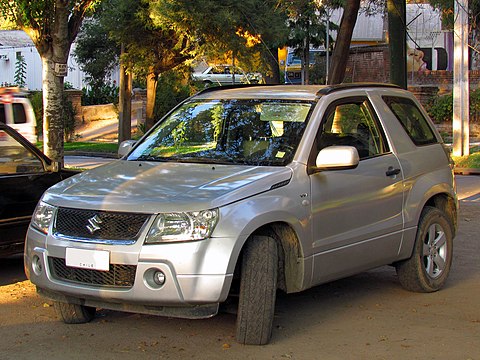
(14, 43)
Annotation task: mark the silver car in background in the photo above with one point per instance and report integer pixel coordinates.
(240, 192)
(227, 75)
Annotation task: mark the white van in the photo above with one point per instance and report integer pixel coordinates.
(17, 112)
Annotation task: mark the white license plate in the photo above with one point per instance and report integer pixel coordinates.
(88, 259)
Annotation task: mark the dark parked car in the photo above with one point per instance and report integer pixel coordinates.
(25, 173)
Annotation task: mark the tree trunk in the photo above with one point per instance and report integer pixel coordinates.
(125, 103)
(272, 60)
(53, 127)
(152, 80)
(397, 42)
(338, 63)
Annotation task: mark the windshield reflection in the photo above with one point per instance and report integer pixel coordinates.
(250, 132)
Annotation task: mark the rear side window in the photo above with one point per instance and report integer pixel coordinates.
(2, 114)
(19, 115)
(412, 120)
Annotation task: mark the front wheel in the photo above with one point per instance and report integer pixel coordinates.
(428, 268)
(258, 286)
(73, 313)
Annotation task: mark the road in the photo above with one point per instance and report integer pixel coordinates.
(85, 162)
(368, 316)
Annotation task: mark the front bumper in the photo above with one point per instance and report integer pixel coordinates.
(197, 275)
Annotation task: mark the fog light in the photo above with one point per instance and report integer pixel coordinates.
(37, 265)
(159, 278)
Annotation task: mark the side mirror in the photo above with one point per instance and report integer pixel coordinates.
(337, 158)
(125, 147)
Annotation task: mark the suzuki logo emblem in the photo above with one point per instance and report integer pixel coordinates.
(94, 224)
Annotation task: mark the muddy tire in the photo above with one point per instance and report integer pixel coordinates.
(73, 313)
(428, 268)
(258, 286)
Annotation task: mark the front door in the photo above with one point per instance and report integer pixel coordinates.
(356, 213)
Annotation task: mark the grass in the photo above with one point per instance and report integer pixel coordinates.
(97, 147)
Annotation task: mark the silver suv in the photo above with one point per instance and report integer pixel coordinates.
(242, 191)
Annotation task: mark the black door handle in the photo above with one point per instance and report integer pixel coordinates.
(392, 171)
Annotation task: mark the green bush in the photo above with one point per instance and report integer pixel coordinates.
(440, 108)
(105, 94)
(36, 98)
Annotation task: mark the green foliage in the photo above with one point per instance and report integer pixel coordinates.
(36, 98)
(317, 71)
(307, 27)
(221, 27)
(96, 52)
(68, 116)
(171, 90)
(102, 94)
(441, 108)
(471, 161)
(20, 71)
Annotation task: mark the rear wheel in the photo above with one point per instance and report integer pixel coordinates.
(73, 313)
(258, 286)
(428, 268)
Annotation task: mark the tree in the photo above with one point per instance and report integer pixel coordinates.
(152, 46)
(307, 29)
(231, 28)
(20, 71)
(342, 44)
(96, 52)
(52, 25)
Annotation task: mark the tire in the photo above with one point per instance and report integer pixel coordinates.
(428, 268)
(258, 287)
(73, 313)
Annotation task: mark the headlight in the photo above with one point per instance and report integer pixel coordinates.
(184, 226)
(42, 217)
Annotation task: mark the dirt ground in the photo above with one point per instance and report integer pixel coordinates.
(368, 316)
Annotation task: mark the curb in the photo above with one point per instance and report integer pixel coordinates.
(466, 171)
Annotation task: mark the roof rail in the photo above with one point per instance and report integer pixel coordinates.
(344, 86)
(226, 87)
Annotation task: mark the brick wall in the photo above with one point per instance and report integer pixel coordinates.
(372, 64)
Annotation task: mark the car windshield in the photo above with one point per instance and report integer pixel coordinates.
(250, 132)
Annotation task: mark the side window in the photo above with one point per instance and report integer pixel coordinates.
(412, 120)
(15, 159)
(3, 117)
(19, 115)
(351, 122)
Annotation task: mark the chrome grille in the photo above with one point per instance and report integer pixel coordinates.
(118, 275)
(77, 223)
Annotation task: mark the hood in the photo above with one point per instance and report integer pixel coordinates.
(152, 187)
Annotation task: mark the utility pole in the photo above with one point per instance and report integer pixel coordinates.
(461, 90)
(397, 41)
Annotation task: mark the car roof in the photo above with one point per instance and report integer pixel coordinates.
(281, 92)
